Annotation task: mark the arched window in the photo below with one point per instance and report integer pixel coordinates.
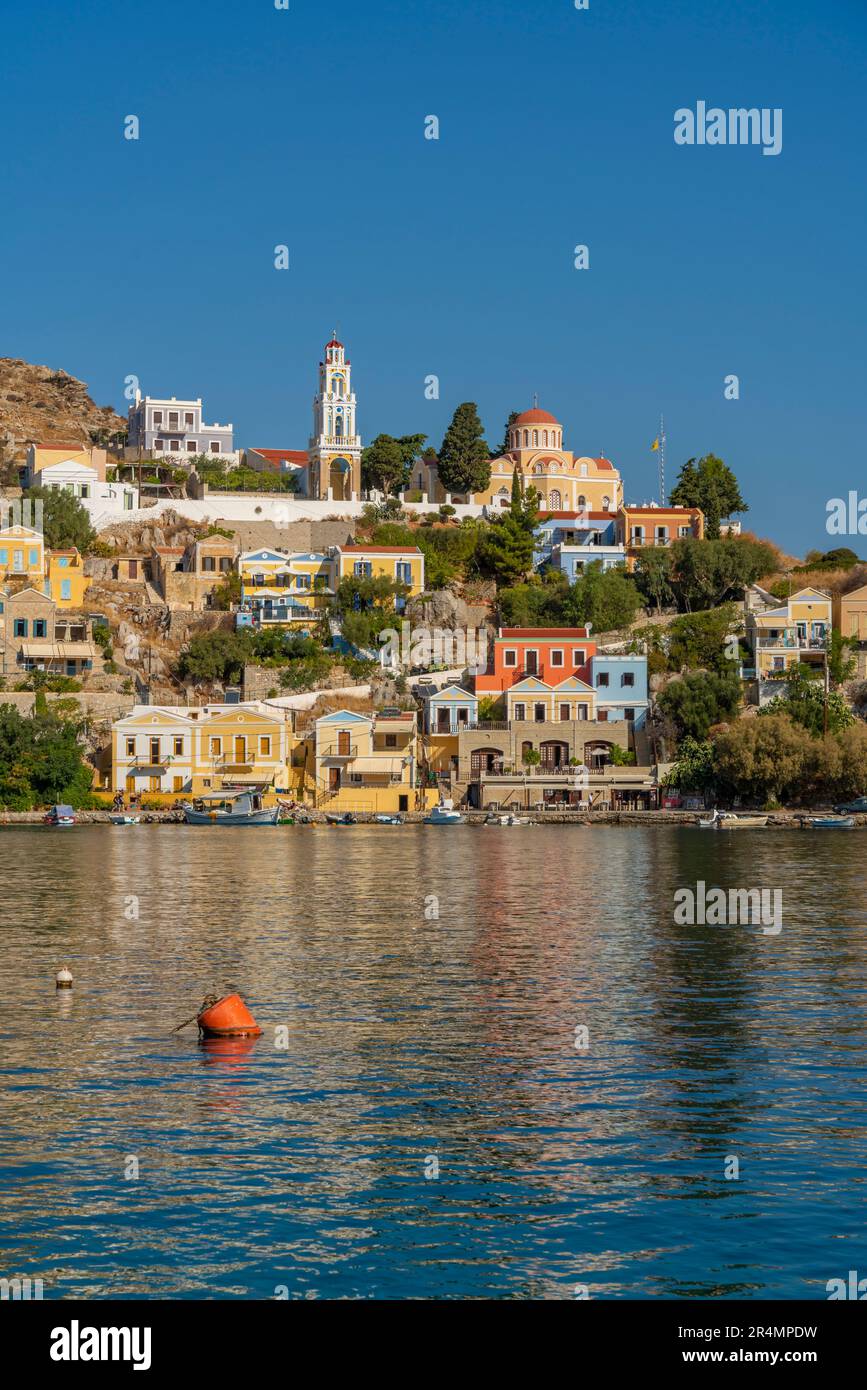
(555, 501)
(582, 501)
(535, 439)
(526, 438)
(538, 468)
(545, 438)
(338, 426)
(606, 504)
(584, 470)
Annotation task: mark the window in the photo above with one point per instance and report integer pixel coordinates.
(579, 656)
(584, 470)
(391, 740)
(18, 560)
(463, 716)
(606, 504)
(85, 490)
(130, 748)
(65, 589)
(564, 712)
(403, 572)
(191, 446)
(4, 557)
(209, 563)
(155, 750)
(189, 420)
(638, 535)
(581, 711)
(158, 446)
(683, 531)
(216, 747)
(62, 561)
(264, 745)
(173, 419)
(662, 535)
(20, 627)
(629, 715)
(628, 678)
(174, 445)
(510, 658)
(520, 711)
(33, 557)
(225, 564)
(539, 713)
(177, 784)
(179, 746)
(215, 446)
(158, 417)
(557, 658)
(602, 678)
(362, 568)
(40, 627)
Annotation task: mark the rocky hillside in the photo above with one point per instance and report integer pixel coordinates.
(39, 405)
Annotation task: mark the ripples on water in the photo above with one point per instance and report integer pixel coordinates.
(412, 1038)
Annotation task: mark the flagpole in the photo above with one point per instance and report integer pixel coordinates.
(661, 462)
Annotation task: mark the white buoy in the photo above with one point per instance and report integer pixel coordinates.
(63, 978)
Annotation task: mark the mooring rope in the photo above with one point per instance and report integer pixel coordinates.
(207, 1003)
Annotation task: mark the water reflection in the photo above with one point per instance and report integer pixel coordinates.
(412, 1038)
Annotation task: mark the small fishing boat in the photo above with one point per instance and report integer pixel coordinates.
(509, 819)
(831, 822)
(727, 820)
(383, 819)
(341, 818)
(125, 819)
(59, 816)
(230, 808)
(444, 814)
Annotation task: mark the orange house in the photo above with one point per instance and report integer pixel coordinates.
(553, 654)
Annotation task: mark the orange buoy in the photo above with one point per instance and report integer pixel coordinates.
(228, 1017)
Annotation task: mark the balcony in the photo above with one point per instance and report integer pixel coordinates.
(338, 752)
(791, 642)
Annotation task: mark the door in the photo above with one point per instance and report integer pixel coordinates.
(564, 712)
(133, 569)
(155, 750)
(403, 803)
(343, 745)
(443, 721)
(240, 748)
(531, 663)
(334, 779)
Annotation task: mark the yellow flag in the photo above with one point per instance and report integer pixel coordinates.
(654, 445)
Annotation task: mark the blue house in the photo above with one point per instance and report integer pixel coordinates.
(449, 710)
(621, 689)
(571, 540)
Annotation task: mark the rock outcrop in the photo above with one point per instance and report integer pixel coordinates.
(43, 406)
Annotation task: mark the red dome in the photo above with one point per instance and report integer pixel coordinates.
(536, 417)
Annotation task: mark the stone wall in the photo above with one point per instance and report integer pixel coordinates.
(98, 705)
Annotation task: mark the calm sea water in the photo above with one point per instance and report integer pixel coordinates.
(419, 1043)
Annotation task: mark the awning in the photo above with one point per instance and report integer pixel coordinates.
(386, 767)
(58, 651)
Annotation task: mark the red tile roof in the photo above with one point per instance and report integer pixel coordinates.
(662, 511)
(536, 417)
(291, 455)
(514, 634)
(62, 448)
(604, 464)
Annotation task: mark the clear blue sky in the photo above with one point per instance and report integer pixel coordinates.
(454, 257)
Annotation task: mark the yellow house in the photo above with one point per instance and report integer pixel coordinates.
(67, 583)
(22, 555)
(188, 750)
(534, 699)
(850, 620)
(405, 564)
(795, 633)
(282, 588)
(368, 762)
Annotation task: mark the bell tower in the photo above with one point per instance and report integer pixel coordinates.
(335, 445)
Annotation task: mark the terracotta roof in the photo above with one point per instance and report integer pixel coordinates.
(275, 455)
(663, 511)
(380, 549)
(335, 342)
(536, 417)
(604, 464)
(169, 549)
(512, 634)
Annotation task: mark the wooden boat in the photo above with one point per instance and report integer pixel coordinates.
(727, 820)
(341, 818)
(125, 819)
(831, 822)
(444, 814)
(59, 816)
(383, 819)
(230, 808)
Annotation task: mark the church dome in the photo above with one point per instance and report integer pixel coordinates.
(536, 417)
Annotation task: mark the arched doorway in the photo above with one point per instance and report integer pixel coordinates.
(597, 754)
(340, 479)
(555, 754)
(485, 760)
